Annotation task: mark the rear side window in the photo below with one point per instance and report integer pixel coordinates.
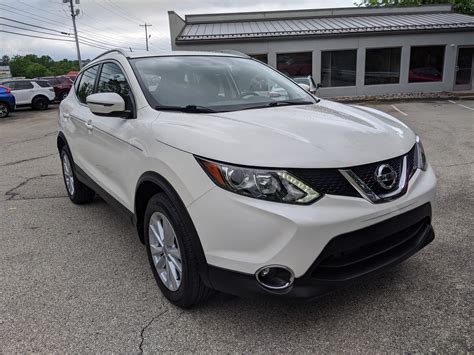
(86, 85)
(112, 79)
(22, 85)
(43, 84)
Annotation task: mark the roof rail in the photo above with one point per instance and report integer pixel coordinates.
(231, 51)
(121, 51)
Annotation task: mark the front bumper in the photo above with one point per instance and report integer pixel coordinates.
(346, 259)
(244, 234)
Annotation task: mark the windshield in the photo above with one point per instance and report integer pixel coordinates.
(215, 83)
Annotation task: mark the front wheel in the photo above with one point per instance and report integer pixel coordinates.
(170, 253)
(4, 110)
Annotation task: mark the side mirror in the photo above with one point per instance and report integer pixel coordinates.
(106, 104)
(304, 86)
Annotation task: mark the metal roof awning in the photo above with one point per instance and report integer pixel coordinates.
(323, 26)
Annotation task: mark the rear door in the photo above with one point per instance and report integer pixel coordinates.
(78, 122)
(23, 91)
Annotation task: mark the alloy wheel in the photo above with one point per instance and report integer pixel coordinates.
(165, 251)
(3, 110)
(68, 175)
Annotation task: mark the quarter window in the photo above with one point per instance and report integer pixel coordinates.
(112, 79)
(86, 85)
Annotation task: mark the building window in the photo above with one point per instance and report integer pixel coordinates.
(261, 57)
(426, 64)
(338, 68)
(382, 66)
(295, 64)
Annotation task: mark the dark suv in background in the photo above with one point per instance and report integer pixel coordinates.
(61, 85)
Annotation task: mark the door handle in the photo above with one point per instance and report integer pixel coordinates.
(89, 125)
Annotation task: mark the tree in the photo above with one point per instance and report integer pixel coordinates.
(461, 6)
(5, 60)
(31, 66)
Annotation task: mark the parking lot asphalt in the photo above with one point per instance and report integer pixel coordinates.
(76, 278)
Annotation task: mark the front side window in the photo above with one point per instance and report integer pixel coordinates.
(216, 83)
(382, 66)
(112, 79)
(426, 64)
(338, 68)
(86, 85)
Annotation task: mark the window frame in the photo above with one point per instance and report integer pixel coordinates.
(79, 81)
(399, 70)
(133, 112)
(443, 71)
(339, 50)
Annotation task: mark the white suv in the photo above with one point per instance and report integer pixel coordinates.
(246, 191)
(35, 93)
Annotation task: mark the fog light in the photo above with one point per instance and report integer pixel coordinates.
(275, 277)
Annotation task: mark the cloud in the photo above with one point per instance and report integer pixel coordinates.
(116, 22)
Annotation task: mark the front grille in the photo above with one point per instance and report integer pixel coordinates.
(358, 253)
(332, 182)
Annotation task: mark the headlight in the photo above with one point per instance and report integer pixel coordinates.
(270, 185)
(420, 156)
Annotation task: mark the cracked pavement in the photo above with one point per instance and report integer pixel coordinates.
(76, 278)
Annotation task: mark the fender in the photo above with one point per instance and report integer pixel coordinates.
(162, 185)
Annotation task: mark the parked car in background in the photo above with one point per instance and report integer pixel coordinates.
(29, 92)
(7, 101)
(60, 84)
(72, 75)
(424, 74)
(308, 81)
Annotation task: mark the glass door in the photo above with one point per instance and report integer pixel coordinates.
(464, 69)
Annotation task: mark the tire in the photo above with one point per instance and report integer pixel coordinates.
(76, 190)
(4, 110)
(40, 103)
(191, 290)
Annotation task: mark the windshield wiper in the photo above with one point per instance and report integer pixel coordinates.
(187, 108)
(287, 103)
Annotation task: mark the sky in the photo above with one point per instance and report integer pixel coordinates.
(114, 23)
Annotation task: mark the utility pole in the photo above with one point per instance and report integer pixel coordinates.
(146, 34)
(74, 13)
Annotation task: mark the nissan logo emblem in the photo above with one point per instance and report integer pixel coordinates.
(386, 176)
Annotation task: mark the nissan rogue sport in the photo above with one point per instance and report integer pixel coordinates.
(249, 192)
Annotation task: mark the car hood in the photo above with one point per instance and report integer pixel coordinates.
(323, 135)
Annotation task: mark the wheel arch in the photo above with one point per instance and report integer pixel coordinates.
(151, 183)
(39, 96)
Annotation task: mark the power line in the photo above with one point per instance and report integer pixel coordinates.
(27, 24)
(27, 35)
(44, 19)
(28, 29)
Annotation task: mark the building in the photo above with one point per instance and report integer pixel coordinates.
(350, 51)
(5, 72)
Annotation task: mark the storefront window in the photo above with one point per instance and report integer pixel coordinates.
(338, 68)
(382, 66)
(426, 64)
(261, 57)
(295, 64)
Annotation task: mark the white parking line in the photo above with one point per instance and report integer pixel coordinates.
(396, 108)
(464, 106)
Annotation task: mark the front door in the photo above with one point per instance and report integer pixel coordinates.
(464, 69)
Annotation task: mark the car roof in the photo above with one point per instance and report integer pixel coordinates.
(142, 54)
